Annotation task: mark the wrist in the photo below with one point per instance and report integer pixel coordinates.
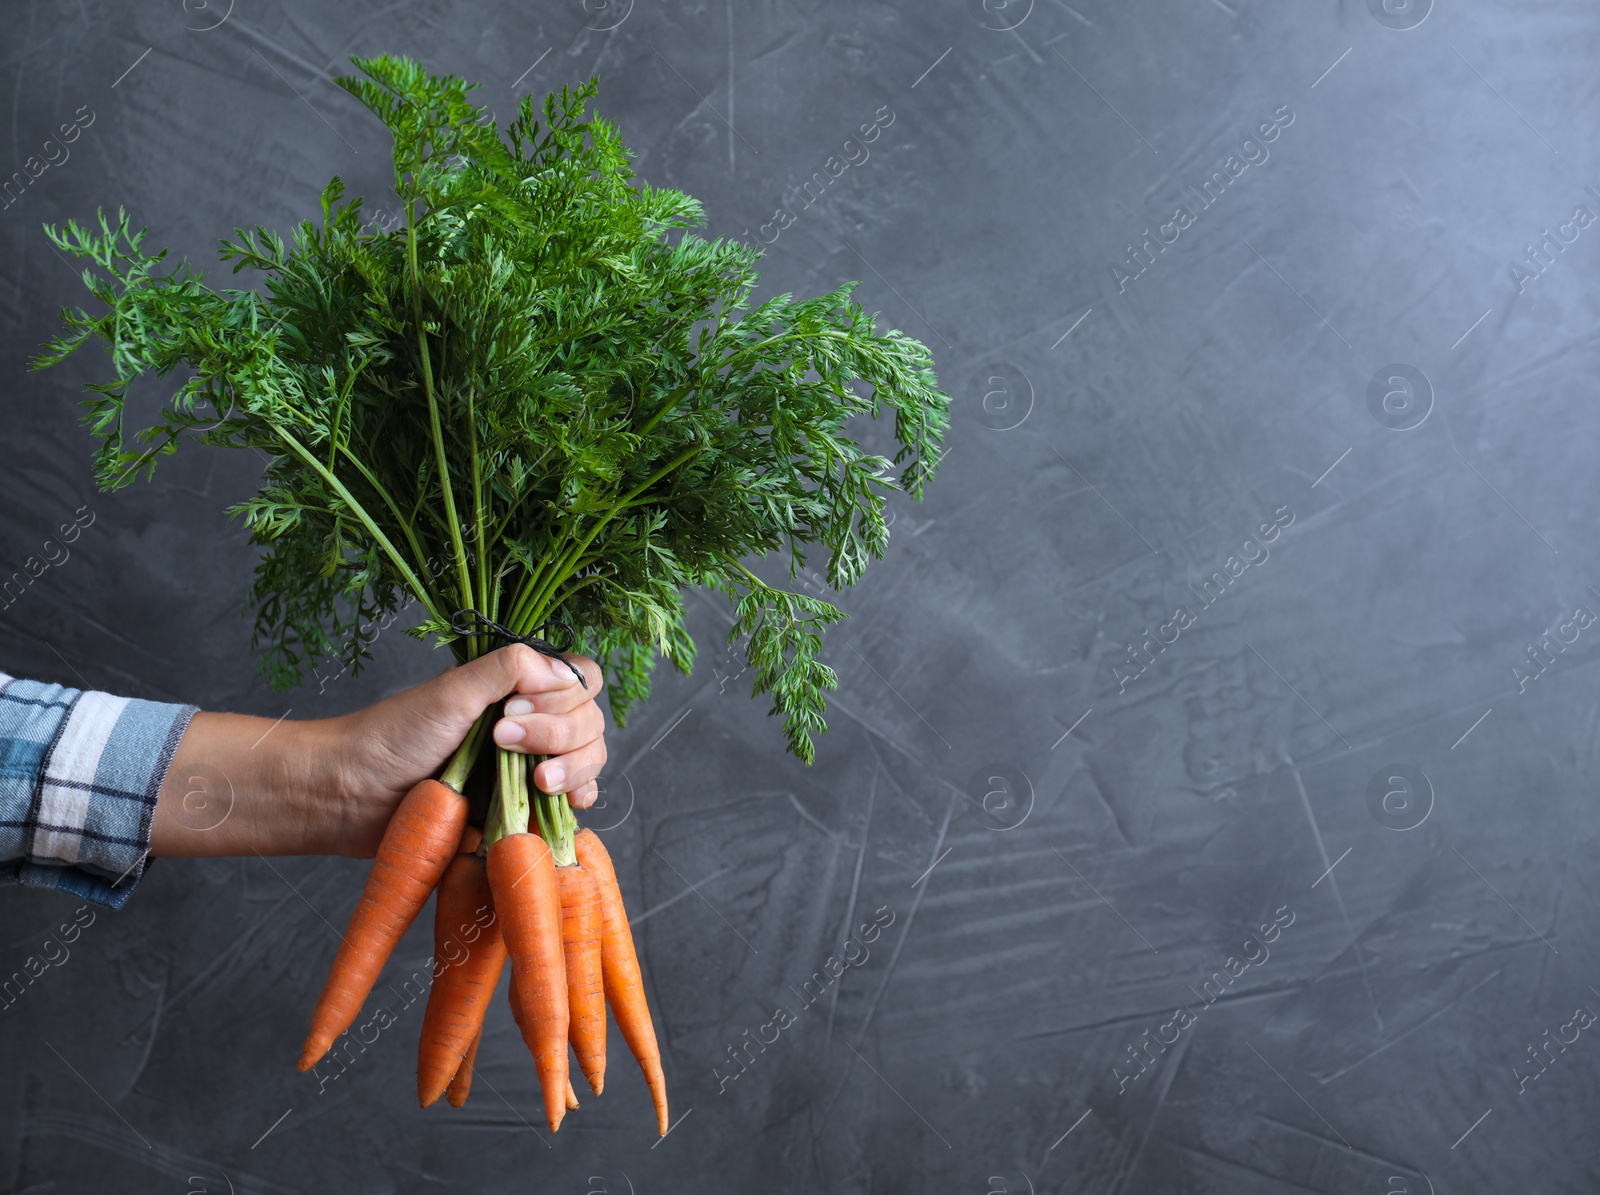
(242, 785)
(321, 792)
(277, 789)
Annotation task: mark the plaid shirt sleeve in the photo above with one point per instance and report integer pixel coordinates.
(79, 775)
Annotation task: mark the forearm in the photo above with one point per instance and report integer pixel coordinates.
(241, 785)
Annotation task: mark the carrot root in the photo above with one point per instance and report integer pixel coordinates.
(581, 919)
(468, 956)
(417, 846)
(461, 1083)
(522, 877)
(624, 984)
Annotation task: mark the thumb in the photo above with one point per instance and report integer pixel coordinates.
(517, 668)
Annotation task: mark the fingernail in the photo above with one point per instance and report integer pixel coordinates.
(518, 706)
(554, 774)
(507, 733)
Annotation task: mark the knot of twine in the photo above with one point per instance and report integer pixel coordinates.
(475, 622)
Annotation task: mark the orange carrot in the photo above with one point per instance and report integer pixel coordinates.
(417, 847)
(586, 996)
(624, 984)
(461, 1084)
(456, 1093)
(516, 1015)
(471, 954)
(522, 876)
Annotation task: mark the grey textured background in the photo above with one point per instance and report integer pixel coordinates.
(1113, 447)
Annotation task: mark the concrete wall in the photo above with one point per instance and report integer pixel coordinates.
(1271, 471)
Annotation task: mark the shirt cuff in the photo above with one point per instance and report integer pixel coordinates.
(79, 775)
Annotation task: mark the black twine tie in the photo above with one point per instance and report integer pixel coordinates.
(474, 622)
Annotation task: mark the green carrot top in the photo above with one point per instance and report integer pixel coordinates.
(540, 396)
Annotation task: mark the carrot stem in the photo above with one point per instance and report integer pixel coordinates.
(509, 812)
(555, 821)
(460, 766)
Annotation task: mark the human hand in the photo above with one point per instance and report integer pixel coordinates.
(241, 785)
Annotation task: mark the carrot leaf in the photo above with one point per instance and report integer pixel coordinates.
(540, 394)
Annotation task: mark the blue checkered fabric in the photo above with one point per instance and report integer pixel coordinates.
(79, 775)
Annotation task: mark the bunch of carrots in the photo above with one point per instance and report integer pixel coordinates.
(557, 914)
(542, 399)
